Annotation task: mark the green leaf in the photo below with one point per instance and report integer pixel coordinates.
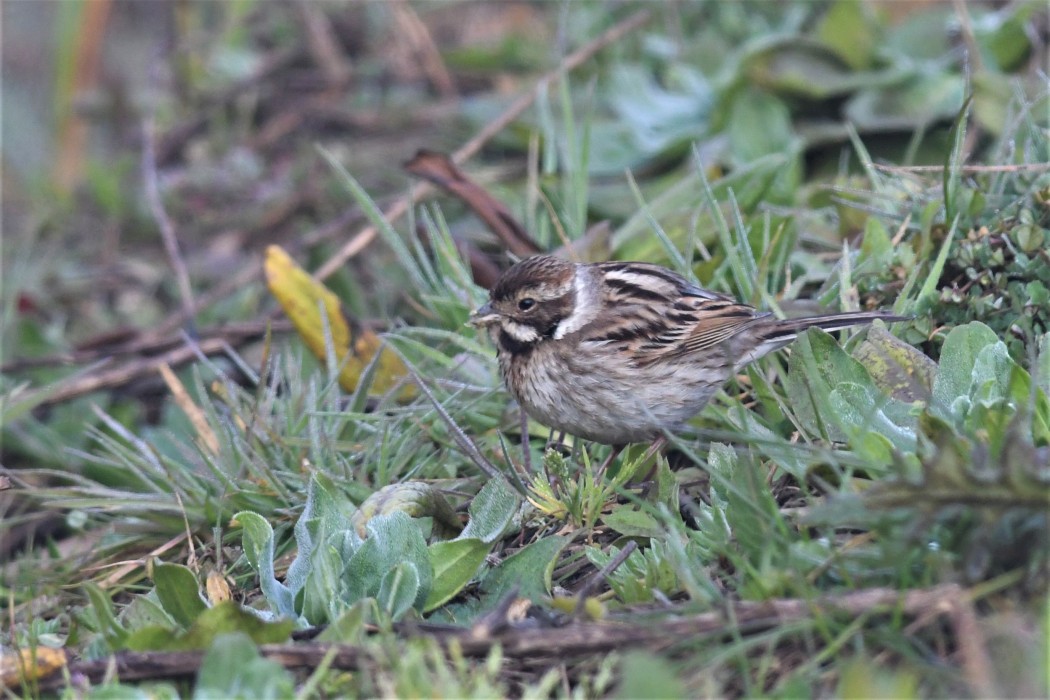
(896, 367)
(751, 513)
(144, 611)
(876, 248)
(645, 675)
(1041, 369)
(398, 590)
(922, 100)
(325, 540)
(632, 522)
(349, 626)
(108, 624)
(818, 365)
(491, 511)
(233, 668)
(320, 518)
(258, 542)
(759, 125)
(178, 591)
(990, 381)
(392, 539)
(958, 357)
(530, 570)
(849, 29)
(860, 412)
(794, 66)
(454, 563)
(224, 618)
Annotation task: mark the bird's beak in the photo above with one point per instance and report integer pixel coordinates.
(483, 316)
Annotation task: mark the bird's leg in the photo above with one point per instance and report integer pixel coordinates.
(526, 447)
(616, 450)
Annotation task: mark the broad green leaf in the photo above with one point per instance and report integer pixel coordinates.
(392, 539)
(529, 570)
(455, 563)
(144, 611)
(632, 522)
(398, 590)
(923, 99)
(324, 596)
(651, 119)
(1004, 39)
(491, 511)
(817, 365)
(759, 125)
(178, 591)
(876, 248)
(233, 668)
(860, 412)
(849, 29)
(958, 357)
(899, 369)
(324, 540)
(793, 66)
(992, 99)
(224, 618)
(990, 379)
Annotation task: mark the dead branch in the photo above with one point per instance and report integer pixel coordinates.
(591, 638)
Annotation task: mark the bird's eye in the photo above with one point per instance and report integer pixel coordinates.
(526, 304)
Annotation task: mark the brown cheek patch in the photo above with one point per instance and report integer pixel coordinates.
(551, 313)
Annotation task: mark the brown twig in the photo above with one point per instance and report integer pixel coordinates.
(323, 46)
(423, 46)
(591, 638)
(164, 223)
(141, 344)
(438, 169)
(136, 368)
(359, 242)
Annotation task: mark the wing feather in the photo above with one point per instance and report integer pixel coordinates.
(651, 314)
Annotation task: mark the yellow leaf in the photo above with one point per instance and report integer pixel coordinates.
(24, 665)
(301, 297)
(217, 588)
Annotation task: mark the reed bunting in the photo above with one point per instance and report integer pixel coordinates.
(618, 352)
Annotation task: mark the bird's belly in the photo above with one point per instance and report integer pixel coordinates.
(606, 400)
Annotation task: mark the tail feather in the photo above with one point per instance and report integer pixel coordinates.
(773, 336)
(830, 322)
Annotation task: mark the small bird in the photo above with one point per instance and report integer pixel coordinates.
(619, 352)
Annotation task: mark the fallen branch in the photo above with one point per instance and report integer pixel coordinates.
(591, 638)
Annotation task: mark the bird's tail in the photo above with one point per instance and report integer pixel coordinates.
(772, 335)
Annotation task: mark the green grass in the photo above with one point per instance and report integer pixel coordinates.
(909, 459)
